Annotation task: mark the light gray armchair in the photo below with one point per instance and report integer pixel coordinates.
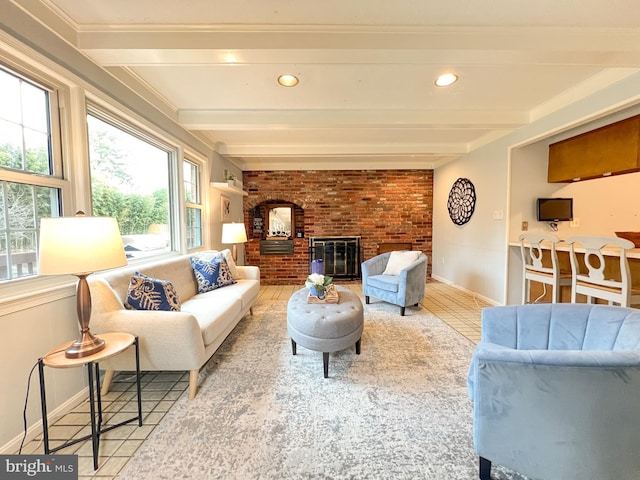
(556, 391)
(404, 288)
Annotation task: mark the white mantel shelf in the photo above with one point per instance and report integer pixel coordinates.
(225, 187)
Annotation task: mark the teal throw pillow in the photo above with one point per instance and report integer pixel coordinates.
(147, 293)
(211, 275)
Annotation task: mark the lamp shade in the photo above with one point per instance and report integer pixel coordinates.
(233, 233)
(79, 245)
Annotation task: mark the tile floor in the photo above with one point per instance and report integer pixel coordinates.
(459, 309)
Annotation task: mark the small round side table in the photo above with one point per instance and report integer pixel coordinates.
(114, 344)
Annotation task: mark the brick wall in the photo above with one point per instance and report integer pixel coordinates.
(377, 205)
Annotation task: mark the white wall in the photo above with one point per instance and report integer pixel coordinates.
(472, 255)
(218, 165)
(26, 335)
(476, 254)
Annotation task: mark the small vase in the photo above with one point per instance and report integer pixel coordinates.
(319, 291)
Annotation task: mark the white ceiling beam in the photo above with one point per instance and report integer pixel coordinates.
(278, 119)
(269, 37)
(405, 162)
(315, 150)
(137, 57)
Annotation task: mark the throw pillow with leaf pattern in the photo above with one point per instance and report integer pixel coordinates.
(211, 274)
(147, 293)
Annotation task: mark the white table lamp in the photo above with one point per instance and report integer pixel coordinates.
(79, 246)
(234, 233)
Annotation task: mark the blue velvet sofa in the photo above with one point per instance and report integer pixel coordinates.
(556, 391)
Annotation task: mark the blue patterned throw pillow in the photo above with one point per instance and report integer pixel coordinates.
(147, 293)
(211, 275)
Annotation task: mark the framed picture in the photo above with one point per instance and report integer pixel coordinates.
(225, 208)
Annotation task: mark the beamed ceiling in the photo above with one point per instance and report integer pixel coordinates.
(366, 96)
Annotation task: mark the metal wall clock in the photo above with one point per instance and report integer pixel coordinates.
(462, 201)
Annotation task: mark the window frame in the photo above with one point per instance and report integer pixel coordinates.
(145, 134)
(55, 179)
(71, 168)
(197, 205)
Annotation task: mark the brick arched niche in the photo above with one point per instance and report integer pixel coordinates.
(258, 218)
(291, 268)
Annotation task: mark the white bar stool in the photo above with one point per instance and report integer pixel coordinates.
(533, 269)
(592, 282)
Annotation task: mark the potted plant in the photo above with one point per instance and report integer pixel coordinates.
(231, 178)
(317, 284)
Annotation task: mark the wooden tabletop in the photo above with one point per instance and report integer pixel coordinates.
(114, 344)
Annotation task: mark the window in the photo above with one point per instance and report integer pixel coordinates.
(30, 181)
(130, 180)
(193, 204)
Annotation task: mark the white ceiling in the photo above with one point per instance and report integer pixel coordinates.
(366, 97)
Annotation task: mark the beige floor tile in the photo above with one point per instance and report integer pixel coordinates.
(163, 406)
(120, 433)
(153, 395)
(153, 418)
(64, 432)
(140, 433)
(128, 448)
(107, 447)
(112, 466)
(173, 395)
(121, 417)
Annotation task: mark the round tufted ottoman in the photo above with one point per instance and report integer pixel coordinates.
(325, 327)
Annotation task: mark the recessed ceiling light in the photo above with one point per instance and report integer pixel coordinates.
(230, 58)
(446, 79)
(288, 80)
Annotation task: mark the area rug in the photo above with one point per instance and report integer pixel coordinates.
(399, 410)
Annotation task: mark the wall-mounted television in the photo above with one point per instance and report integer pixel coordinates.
(555, 209)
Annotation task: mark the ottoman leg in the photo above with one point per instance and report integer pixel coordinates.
(325, 363)
(366, 299)
(358, 345)
(293, 346)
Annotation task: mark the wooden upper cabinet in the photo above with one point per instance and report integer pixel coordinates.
(609, 150)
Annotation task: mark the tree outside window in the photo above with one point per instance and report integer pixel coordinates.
(193, 204)
(26, 172)
(130, 181)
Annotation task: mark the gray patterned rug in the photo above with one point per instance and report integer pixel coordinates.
(397, 411)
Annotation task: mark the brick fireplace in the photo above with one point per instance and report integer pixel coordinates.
(379, 206)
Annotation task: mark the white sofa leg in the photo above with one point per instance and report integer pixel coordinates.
(193, 383)
(106, 381)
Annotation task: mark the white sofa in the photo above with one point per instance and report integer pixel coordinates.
(172, 341)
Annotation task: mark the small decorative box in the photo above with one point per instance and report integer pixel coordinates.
(330, 296)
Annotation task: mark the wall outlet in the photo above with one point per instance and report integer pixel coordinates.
(525, 226)
(498, 214)
(574, 223)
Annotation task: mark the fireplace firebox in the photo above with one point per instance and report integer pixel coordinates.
(340, 255)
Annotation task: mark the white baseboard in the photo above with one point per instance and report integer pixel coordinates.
(35, 429)
(470, 292)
